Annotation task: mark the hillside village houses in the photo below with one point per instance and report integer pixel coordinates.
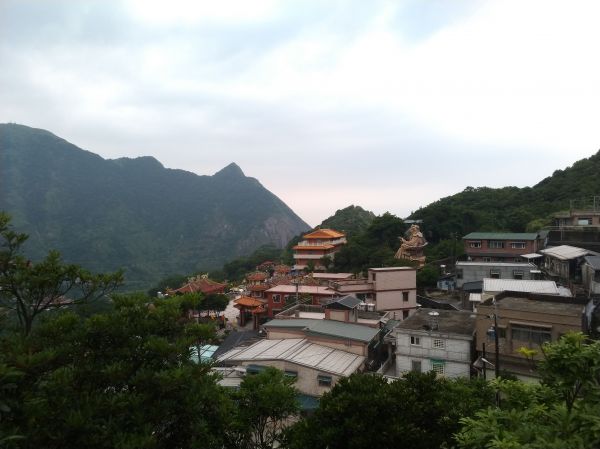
(320, 327)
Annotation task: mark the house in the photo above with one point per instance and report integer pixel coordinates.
(590, 272)
(316, 245)
(435, 340)
(356, 338)
(563, 263)
(524, 320)
(476, 271)
(317, 368)
(199, 284)
(502, 246)
(394, 290)
(579, 226)
(277, 297)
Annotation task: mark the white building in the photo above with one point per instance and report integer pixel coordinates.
(476, 271)
(436, 340)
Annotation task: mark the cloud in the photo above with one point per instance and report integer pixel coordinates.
(385, 104)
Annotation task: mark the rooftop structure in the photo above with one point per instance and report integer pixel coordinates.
(327, 328)
(316, 245)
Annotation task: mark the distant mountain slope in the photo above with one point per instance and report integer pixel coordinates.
(133, 213)
(510, 208)
(351, 220)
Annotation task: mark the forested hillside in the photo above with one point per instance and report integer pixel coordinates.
(133, 213)
(510, 208)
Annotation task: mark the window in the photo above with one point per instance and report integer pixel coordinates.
(584, 221)
(459, 273)
(532, 334)
(487, 259)
(438, 343)
(517, 245)
(415, 341)
(495, 244)
(415, 365)
(495, 274)
(517, 274)
(324, 381)
(405, 296)
(475, 244)
(289, 373)
(373, 276)
(276, 298)
(437, 366)
(404, 314)
(255, 369)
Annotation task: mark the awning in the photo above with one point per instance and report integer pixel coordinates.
(531, 256)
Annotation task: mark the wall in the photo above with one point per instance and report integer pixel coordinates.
(389, 284)
(472, 273)
(591, 280)
(456, 354)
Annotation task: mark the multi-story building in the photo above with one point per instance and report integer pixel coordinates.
(316, 245)
(476, 271)
(435, 340)
(502, 246)
(394, 290)
(524, 320)
(281, 295)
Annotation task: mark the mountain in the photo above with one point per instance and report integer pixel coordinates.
(510, 208)
(133, 213)
(351, 220)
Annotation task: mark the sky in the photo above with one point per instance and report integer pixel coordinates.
(389, 105)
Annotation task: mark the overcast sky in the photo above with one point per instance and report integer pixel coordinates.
(386, 104)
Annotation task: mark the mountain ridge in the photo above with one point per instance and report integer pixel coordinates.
(133, 212)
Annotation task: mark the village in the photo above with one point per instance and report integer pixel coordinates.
(488, 317)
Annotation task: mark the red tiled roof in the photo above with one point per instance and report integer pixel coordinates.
(246, 301)
(257, 276)
(258, 287)
(282, 269)
(259, 310)
(202, 285)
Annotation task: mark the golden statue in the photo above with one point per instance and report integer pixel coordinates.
(412, 249)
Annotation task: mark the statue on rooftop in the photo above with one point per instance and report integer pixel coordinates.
(413, 247)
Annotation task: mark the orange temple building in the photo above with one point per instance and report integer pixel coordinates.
(316, 245)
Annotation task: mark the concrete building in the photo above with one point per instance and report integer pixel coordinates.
(563, 263)
(316, 368)
(394, 290)
(502, 246)
(277, 297)
(524, 320)
(590, 272)
(476, 271)
(435, 340)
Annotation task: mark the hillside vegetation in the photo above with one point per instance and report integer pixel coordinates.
(510, 209)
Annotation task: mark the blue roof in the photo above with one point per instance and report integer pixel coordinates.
(206, 353)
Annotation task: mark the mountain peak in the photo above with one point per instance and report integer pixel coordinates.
(232, 170)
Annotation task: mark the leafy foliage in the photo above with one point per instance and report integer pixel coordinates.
(351, 220)
(30, 289)
(365, 411)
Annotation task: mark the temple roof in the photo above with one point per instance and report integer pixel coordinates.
(324, 234)
(247, 301)
(203, 285)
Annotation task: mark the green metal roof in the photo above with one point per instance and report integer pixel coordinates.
(501, 236)
(330, 328)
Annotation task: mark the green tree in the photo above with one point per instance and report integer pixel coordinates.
(365, 411)
(562, 411)
(29, 289)
(122, 379)
(265, 403)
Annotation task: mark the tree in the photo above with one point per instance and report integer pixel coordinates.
(365, 411)
(264, 404)
(562, 411)
(118, 379)
(29, 288)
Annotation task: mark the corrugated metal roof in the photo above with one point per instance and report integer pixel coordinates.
(566, 252)
(518, 285)
(593, 261)
(309, 289)
(299, 351)
(330, 328)
(495, 264)
(501, 236)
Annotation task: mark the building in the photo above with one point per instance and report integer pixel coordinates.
(502, 246)
(277, 297)
(317, 368)
(435, 340)
(257, 283)
(590, 272)
(356, 338)
(524, 320)
(563, 263)
(198, 284)
(394, 290)
(476, 271)
(316, 245)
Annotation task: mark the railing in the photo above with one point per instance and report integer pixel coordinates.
(328, 242)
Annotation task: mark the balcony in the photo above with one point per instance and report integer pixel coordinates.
(309, 256)
(328, 242)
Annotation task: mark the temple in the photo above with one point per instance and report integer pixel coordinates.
(315, 246)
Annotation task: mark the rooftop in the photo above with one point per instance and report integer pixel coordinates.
(501, 236)
(333, 276)
(496, 264)
(566, 252)
(593, 261)
(345, 302)
(324, 234)
(448, 321)
(547, 304)
(299, 351)
(328, 328)
(310, 289)
(393, 269)
(520, 285)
